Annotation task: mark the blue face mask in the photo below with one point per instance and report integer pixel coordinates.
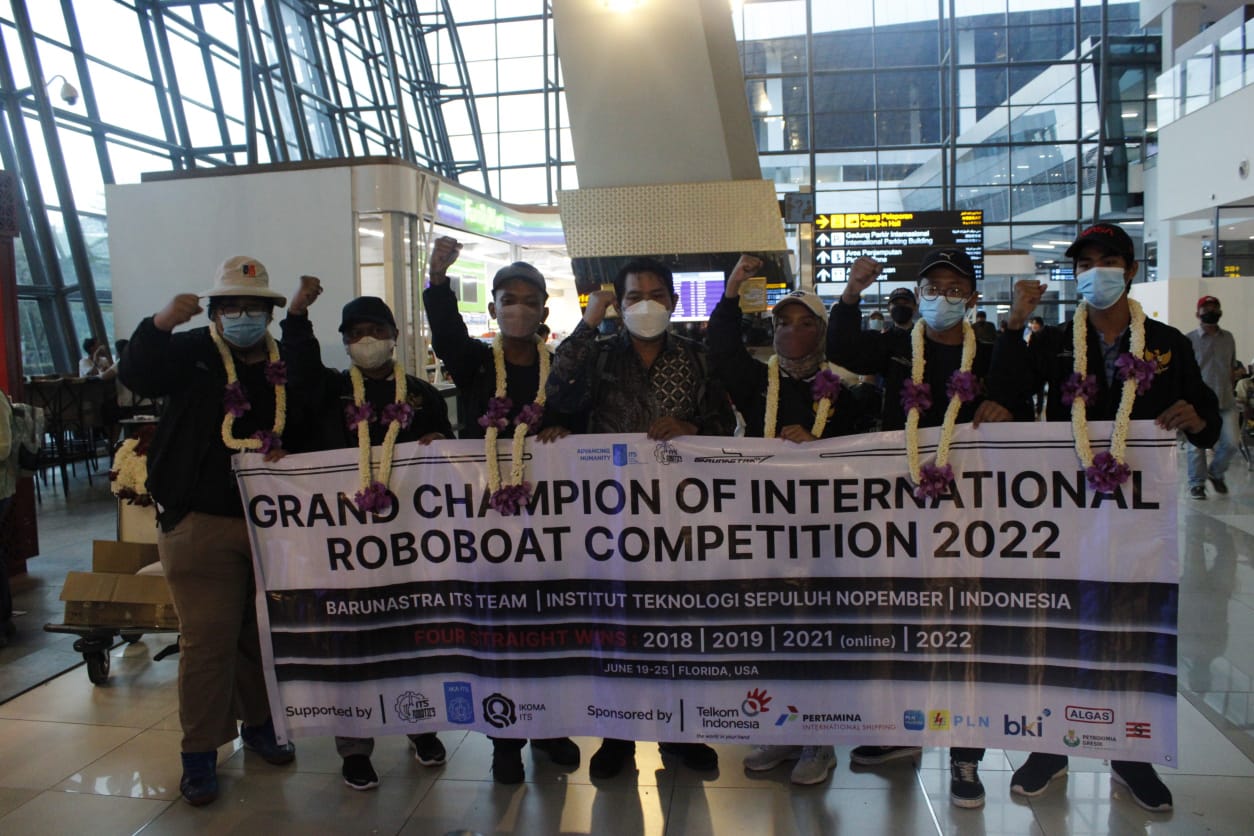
(941, 314)
(1101, 287)
(246, 331)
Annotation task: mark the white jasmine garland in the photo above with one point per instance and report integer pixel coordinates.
(244, 445)
(821, 414)
(492, 432)
(364, 467)
(1080, 364)
(951, 411)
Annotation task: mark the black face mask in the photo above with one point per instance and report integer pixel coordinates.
(901, 314)
(1210, 317)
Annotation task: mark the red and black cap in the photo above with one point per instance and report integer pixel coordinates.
(1110, 238)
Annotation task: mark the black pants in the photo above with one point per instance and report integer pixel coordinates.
(6, 546)
(957, 753)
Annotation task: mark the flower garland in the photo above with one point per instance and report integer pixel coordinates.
(507, 498)
(824, 389)
(235, 399)
(1107, 470)
(373, 495)
(916, 398)
(129, 476)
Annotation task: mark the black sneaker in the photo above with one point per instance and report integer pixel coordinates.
(610, 759)
(261, 740)
(428, 750)
(966, 790)
(359, 773)
(1219, 484)
(1197, 492)
(507, 765)
(876, 755)
(561, 750)
(1033, 777)
(696, 756)
(199, 784)
(1143, 785)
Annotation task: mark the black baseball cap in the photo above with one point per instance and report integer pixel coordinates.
(366, 309)
(519, 270)
(902, 294)
(1110, 238)
(954, 258)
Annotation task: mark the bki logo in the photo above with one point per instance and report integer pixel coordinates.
(755, 702)
(1022, 728)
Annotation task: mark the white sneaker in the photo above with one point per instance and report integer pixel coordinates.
(763, 758)
(815, 765)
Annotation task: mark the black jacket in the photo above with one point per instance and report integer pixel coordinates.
(469, 362)
(1049, 360)
(189, 467)
(745, 380)
(889, 355)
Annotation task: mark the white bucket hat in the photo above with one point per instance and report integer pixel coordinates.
(812, 301)
(244, 276)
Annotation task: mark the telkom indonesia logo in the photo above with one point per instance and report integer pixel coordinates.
(788, 716)
(755, 702)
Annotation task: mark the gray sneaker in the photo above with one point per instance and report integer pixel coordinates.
(815, 764)
(763, 758)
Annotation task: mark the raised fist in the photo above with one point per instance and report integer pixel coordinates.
(599, 301)
(746, 268)
(310, 290)
(180, 309)
(443, 253)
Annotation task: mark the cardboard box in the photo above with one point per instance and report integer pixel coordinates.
(107, 599)
(121, 558)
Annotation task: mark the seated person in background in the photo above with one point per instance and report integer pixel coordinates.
(388, 395)
(518, 306)
(96, 359)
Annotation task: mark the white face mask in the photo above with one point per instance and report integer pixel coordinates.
(516, 321)
(940, 313)
(646, 319)
(1101, 287)
(370, 353)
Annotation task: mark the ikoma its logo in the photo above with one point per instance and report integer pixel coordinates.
(939, 720)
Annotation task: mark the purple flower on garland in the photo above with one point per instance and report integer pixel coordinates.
(276, 373)
(497, 414)
(1107, 473)
(1079, 386)
(915, 396)
(235, 399)
(964, 385)
(1142, 371)
(508, 499)
(375, 498)
(354, 414)
(402, 413)
(269, 441)
(826, 384)
(933, 481)
(531, 415)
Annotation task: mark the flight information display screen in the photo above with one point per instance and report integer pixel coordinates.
(897, 240)
(697, 293)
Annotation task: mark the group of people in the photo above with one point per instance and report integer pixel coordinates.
(232, 387)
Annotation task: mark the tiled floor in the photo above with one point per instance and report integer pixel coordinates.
(104, 760)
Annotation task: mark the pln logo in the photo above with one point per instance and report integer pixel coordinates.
(913, 720)
(1022, 727)
(756, 701)
(788, 716)
(939, 720)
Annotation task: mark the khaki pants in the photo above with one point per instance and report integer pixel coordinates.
(208, 564)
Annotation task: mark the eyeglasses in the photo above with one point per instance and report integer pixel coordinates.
(236, 311)
(953, 294)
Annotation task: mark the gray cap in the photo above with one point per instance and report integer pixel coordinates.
(519, 270)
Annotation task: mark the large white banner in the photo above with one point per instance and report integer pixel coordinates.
(729, 590)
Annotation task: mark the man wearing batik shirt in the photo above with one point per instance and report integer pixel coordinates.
(641, 380)
(1176, 398)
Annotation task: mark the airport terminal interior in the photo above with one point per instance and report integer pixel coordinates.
(144, 142)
